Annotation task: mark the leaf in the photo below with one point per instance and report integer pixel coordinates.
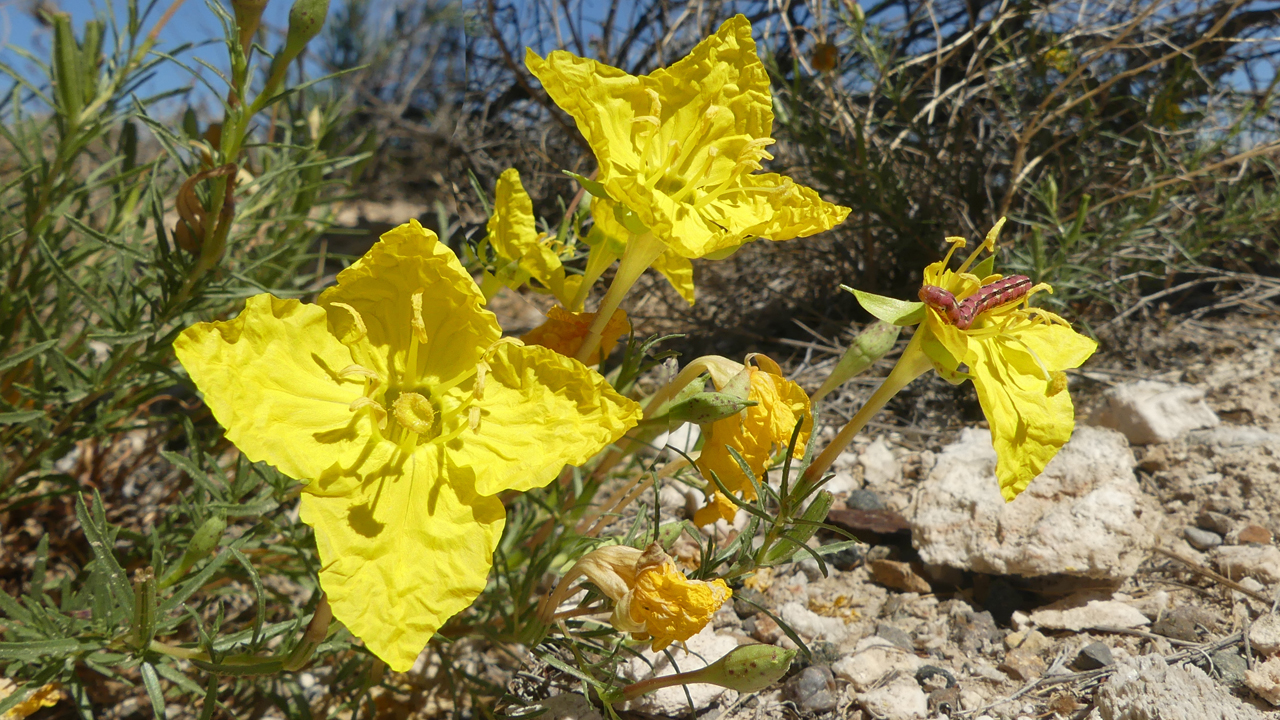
(21, 416)
(36, 649)
(97, 531)
(152, 683)
(890, 310)
(596, 189)
(21, 356)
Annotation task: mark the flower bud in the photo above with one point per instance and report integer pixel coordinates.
(248, 13)
(306, 18)
(707, 407)
(751, 668)
(869, 346)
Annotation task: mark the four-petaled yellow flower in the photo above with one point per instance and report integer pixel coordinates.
(654, 601)
(756, 434)
(395, 401)
(524, 253)
(678, 153)
(1014, 354)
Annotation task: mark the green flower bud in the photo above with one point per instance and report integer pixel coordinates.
(203, 542)
(248, 15)
(306, 18)
(751, 668)
(707, 407)
(869, 346)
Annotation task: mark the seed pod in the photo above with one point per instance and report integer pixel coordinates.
(707, 407)
(749, 668)
(306, 18)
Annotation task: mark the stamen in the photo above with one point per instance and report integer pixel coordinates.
(357, 371)
(378, 411)
(419, 327)
(358, 330)
(473, 418)
(414, 412)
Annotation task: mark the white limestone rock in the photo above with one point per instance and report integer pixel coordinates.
(810, 625)
(1261, 562)
(1147, 688)
(1149, 412)
(569, 706)
(1264, 634)
(879, 466)
(1088, 614)
(1085, 515)
(872, 660)
(901, 699)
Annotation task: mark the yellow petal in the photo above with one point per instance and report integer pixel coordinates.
(564, 331)
(271, 378)
(513, 232)
(540, 411)
(672, 607)
(1029, 424)
(379, 286)
(402, 549)
(718, 507)
(678, 271)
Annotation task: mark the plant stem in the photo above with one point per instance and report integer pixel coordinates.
(640, 254)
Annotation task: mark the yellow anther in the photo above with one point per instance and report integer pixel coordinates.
(357, 371)
(649, 119)
(414, 412)
(358, 330)
(1057, 383)
(378, 411)
(419, 327)
(482, 369)
(655, 102)
(473, 418)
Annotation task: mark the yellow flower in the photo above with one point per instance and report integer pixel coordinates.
(678, 152)
(654, 600)
(396, 403)
(609, 229)
(756, 435)
(523, 252)
(42, 697)
(563, 332)
(680, 147)
(1014, 354)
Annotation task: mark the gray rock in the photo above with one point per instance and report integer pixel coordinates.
(1201, 539)
(1229, 667)
(1152, 412)
(1093, 656)
(895, 635)
(747, 609)
(569, 706)
(1147, 688)
(814, 689)
(864, 500)
(1261, 562)
(1229, 436)
(702, 649)
(1084, 516)
(901, 699)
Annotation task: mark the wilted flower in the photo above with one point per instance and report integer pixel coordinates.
(653, 599)
(756, 434)
(564, 332)
(395, 401)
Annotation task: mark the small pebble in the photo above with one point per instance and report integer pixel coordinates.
(845, 560)
(895, 635)
(1093, 656)
(1253, 534)
(1215, 521)
(864, 500)
(1201, 539)
(932, 677)
(1229, 667)
(814, 689)
(747, 609)
(1023, 665)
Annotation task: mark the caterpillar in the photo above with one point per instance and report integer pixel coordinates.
(962, 313)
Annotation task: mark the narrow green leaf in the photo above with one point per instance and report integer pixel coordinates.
(13, 418)
(36, 649)
(152, 683)
(24, 355)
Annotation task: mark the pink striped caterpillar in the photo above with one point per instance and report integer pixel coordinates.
(962, 313)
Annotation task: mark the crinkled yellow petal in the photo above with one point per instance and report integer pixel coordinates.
(271, 378)
(410, 259)
(402, 548)
(1056, 345)
(672, 607)
(765, 205)
(718, 507)
(43, 697)
(564, 331)
(513, 231)
(678, 271)
(539, 412)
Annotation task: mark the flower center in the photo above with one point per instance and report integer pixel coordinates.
(406, 408)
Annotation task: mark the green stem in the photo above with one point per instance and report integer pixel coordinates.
(912, 364)
(598, 260)
(640, 254)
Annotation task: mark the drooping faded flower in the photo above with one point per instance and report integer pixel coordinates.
(564, 331)
(756, 434)
(654, 601)
(395, 401)
(1015, 356)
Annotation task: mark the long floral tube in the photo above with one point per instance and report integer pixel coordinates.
(912, 364)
